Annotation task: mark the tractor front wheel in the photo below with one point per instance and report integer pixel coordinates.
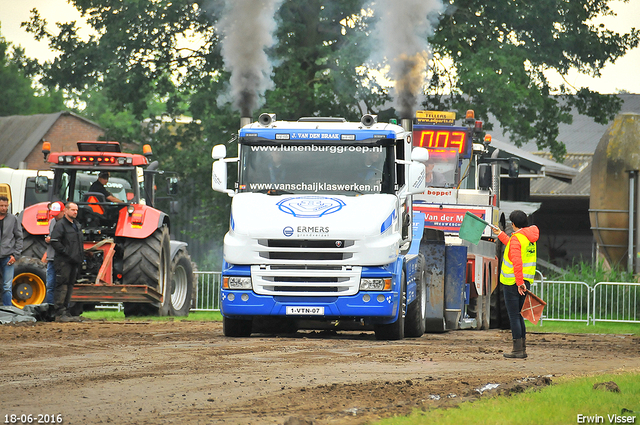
(29, 282)
(181, 283)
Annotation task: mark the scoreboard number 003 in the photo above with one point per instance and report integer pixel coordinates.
(441, 139)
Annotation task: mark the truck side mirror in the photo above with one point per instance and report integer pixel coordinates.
(219, 152)
(219, 177)
(172, 186)
(417, 178)
(514, 168)
(484, 176)
(42, 184)
(419, 154)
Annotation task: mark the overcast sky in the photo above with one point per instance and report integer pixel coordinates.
(623, 75)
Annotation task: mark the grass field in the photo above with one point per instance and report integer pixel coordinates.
(560, 403)
(582, 328)
(196, 316)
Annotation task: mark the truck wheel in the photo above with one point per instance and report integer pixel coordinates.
(236, 327)
(395, 330)
(475, 309)
(33, 246)
(414, 326)
(146, 262)
(499, 315)
(181, 283)
(29, 282)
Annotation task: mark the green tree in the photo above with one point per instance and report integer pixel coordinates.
(17, 74)
(170, 53)
(500, 51)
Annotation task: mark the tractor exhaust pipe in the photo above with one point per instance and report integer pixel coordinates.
(245, 121)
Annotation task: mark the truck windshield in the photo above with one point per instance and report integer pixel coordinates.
(303, 169)
(442, 168)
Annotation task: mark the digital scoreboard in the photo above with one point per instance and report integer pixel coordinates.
(429, 136)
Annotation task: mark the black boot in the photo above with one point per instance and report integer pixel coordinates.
(519, 351)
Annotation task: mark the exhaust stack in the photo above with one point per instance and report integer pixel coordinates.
(245, 121)
(407, 124)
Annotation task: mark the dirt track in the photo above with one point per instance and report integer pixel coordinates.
(189, 373)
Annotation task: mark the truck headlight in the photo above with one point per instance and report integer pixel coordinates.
(234, 282)
(377, 284)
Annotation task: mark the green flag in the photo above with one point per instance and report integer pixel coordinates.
(472, 228)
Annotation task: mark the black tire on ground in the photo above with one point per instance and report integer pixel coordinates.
(33, 246)
(146, 262)
(476, 310)
(29, 282)
(76, 309)
(395, 330)
(181, 283)
(236, 327)
(415, 324)
(499, 315)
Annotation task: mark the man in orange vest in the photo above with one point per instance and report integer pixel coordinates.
(517, 273)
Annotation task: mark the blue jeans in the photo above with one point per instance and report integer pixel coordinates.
(7, 284)
(51, 282)
(514, 302)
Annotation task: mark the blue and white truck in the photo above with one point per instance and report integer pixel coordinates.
(325, 231)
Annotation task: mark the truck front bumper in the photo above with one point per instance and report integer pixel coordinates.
(244, 304)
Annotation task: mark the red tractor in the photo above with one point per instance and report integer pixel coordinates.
(129, 255)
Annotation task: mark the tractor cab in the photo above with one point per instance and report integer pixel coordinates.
(75, 172)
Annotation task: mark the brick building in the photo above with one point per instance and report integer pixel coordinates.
(21, 137)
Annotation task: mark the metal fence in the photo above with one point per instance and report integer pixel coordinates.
(566, 300)
(580, 302)
(616, 302)
(207, 297)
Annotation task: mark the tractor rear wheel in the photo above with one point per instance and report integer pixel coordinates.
(146, 262)
(181, 283)
(33, 246)
(29, 282)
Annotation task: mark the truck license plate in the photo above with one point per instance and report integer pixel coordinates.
(313, 311)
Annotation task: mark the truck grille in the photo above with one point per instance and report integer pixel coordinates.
(305, 250)
(305, 280)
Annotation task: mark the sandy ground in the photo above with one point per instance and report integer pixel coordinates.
(189, 373)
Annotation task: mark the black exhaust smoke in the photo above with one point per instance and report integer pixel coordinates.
(247, 26)
(401, 34)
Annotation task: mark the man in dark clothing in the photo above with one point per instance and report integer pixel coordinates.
(98, 187)
(10, 249)
(67, 241)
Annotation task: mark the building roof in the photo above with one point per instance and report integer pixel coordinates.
(581, 139)
(583, 134)
(580, 185)
(531, 165)
(20, 134)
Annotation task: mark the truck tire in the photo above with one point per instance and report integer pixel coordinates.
(33, 246)
(29, 282)
(181, 283)
(499, 315)
(395, 330)
(236, 327)
(415, 324)
(146, 262)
